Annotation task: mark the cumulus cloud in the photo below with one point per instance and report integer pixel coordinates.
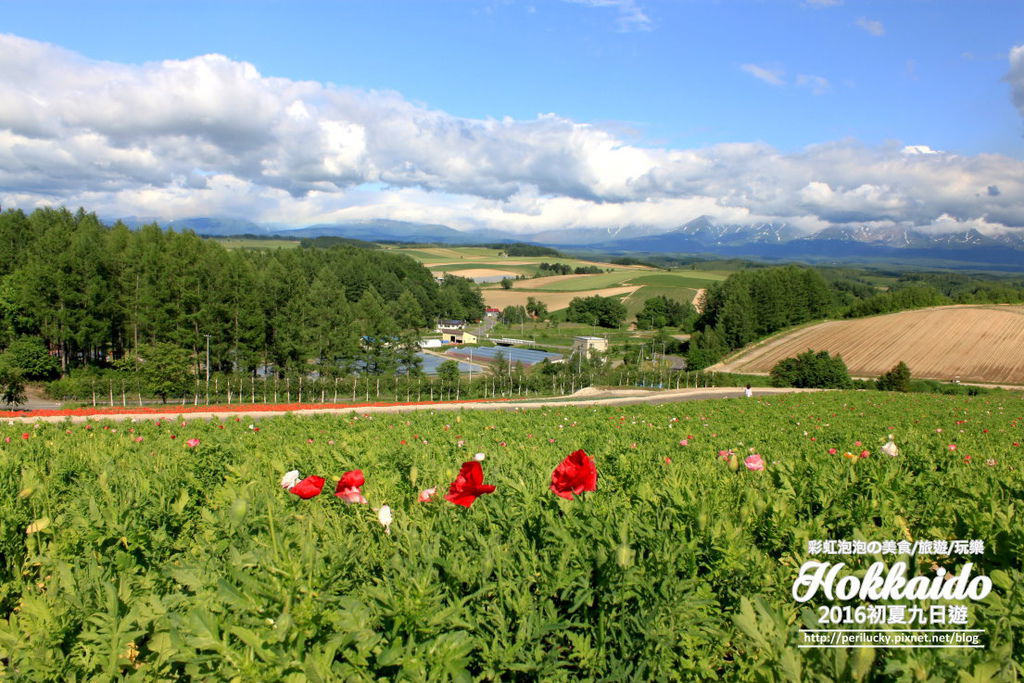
(872, 26)
(213, 136)
(771, 76)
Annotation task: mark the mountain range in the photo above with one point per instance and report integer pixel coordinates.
(702, 235)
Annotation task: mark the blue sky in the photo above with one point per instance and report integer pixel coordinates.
(610, 107)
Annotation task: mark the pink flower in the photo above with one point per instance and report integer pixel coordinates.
(349, 485)
(967, 458)
(832, 451)
(192, 443)
(684, 442)
(426, 495)
(865, 453)
(139, 439)
(951, 446)
(754, 462)
(668, 460)
(857, 443)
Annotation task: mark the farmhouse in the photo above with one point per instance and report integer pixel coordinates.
(454, 335)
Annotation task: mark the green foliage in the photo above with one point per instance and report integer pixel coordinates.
(902, 299)
(155, 561)
(92, 292)
(536, 308)
(513, 315)
(810, 370)
(661, 311)
(12, 383)
(448, 372)
(597, 310)
(32, 358)
(750, 304)
(706, 348)
(896, 379)
(506, 283)
(165, 370)
(525, 250)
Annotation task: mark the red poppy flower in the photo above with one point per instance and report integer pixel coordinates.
(576, 474)
(468, 485)
(309, 487)
(348, 487)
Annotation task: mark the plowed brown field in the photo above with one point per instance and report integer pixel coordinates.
(500, 298)
(983, 343)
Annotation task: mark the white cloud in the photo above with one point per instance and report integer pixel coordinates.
(872, 26)
(818, 85)
(212, 136)
(771, 76)
(631, 16)
(1015, 77)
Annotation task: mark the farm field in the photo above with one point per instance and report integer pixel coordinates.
(169, 550)
(635, 283)
(563, 333)
(241, 243)
(977, 343)
(500, 298)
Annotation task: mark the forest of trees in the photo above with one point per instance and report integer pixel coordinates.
(91, 294)
(750, 304)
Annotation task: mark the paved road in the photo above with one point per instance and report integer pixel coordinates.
(587, 397)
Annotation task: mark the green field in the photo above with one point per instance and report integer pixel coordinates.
(664, 280)
(128, 554)
(636, 300)
(561, 334)
(237, 243)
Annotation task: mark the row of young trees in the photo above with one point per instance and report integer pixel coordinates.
(91, 293)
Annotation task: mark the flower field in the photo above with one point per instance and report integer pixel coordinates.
(211, 550)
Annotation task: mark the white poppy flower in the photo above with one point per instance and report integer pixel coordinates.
(290, 479)
(384, 517)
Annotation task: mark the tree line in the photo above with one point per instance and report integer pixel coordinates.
(93, 294)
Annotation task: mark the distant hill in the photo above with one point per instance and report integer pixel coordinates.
(702, 235)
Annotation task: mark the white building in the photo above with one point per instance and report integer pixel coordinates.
(589, 345)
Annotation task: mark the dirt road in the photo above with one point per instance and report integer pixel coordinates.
(585, 397)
